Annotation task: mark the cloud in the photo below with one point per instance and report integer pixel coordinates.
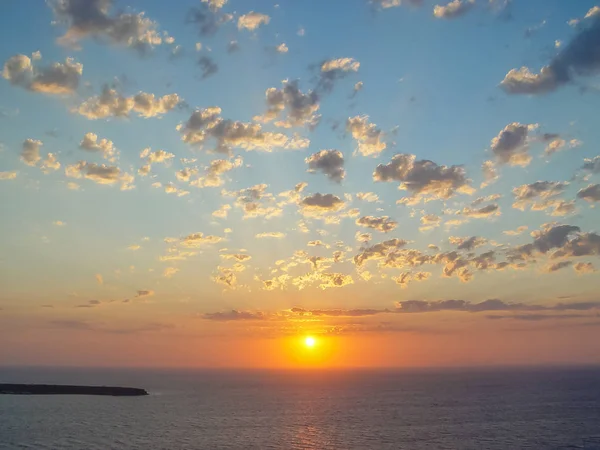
(579, 58)
(50, 163)
(470, 243)
(30, 151)
(4, 176)
(270, 234)
(429, 222)
(383, 224)
(213, 173)
(424, 179)
(144, 293)
(319, 204)
(208, 66)
(222, 212)
(91, 143)
(511, 145)
(537, 195)
(226, 277)
(335, 69)
(369, 197)
(256, 202)
(281, 48)
(554, 267)
(584, 268)
(591, 165)
(481, 213)
(170, 272)
(233, 315)
(196, 240)
(330, 162)
(549, 237)
(421, 306)
(378, 251)
(207, 18)
(99, 279)
(111, 103)
(454, 9)
(56, 79)
(300, 108)
(367, 136)
(252, 21)
(557, 144)
(157, 156)
(334, 280)
(91, 18)
(233, 46)
(590, 193)
(520, 230)
(99, 173)
(206, 124)
(406, 277)
(582, 244)
(170, 188)
(490, 174)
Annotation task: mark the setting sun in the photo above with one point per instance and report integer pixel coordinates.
(310, 341)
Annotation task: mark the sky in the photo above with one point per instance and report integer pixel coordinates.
(204, 183)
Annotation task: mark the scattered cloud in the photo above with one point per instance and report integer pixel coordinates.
(383, 224)
(584, 268)
(270, 234)
(111, 103)
(367, 136)
(4, 176)
(170, 272)
(335, 69)
(519, 230)
(511, 145)
(423, 179)
(206, 125)
(196, 240)
(590, 193)
(91, 143)
(369, 197)
(330, 162)
(317, 205)
(208, 66)
(591, 165)
(298, 108)
(252, 21)
(454, 9)
(578, 58)
(222, 212)
(92, 18)
(100, 173)
(56, 79)
(30, 152)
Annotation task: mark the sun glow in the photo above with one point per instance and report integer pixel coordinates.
(310, 341)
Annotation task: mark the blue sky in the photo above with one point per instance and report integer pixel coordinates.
(436, 87)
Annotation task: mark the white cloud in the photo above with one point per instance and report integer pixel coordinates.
(252, 21)
(106, 147)
(30, 152)
(57, 79)
(367, 136)
(111, 103)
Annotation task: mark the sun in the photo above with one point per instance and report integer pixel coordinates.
(309, 341)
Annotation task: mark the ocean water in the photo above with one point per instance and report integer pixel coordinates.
(458, 409)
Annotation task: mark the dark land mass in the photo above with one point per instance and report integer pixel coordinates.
(53, 389)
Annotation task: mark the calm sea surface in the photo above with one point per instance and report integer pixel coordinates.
(467, 409)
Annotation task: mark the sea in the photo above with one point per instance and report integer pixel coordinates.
(550, 408)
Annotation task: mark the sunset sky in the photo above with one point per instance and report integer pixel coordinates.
(204, 183)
